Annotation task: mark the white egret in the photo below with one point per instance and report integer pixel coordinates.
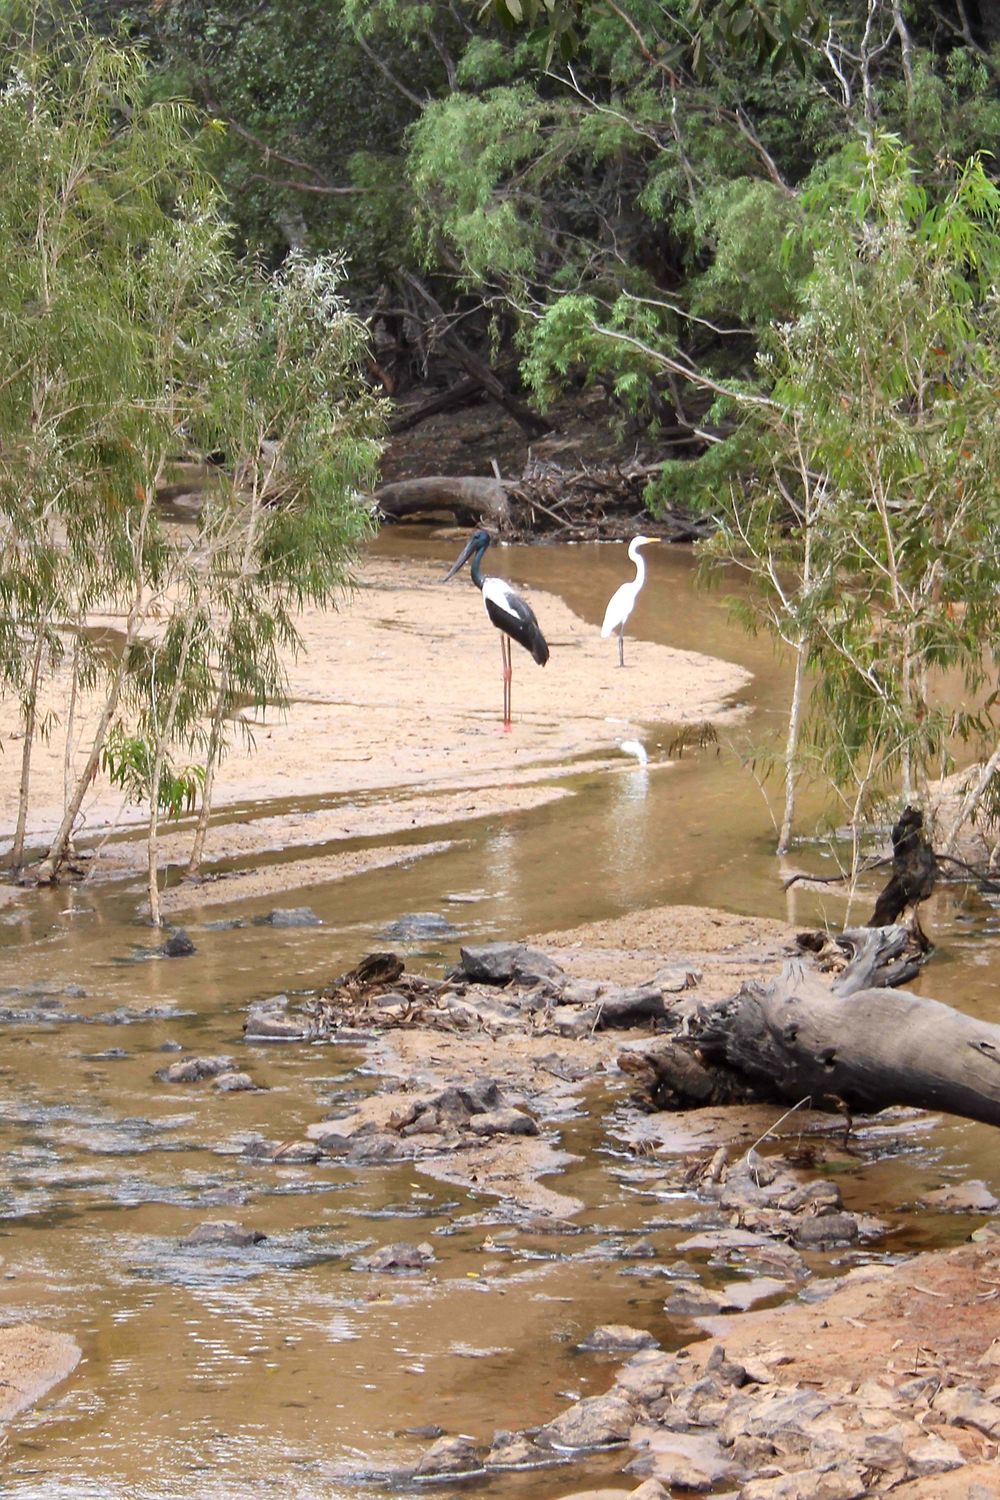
(622, 601)
(506, 610)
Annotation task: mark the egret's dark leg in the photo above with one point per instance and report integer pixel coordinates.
(621, 647)
(507, 673)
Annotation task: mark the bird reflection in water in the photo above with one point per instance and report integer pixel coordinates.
(630, 830)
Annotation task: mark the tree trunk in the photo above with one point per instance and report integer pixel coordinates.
(211, 761)
(30, 713)
(851, 1047)
(472, 500)
(792, 749)
(163, 737)
(972, 799)
(49, 867)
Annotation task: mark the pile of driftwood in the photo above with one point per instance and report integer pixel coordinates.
(562, 504)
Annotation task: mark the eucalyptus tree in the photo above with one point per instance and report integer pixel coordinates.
(871, 518)
(288, 407)
(130, 337)
(626, 198)
(87, 169)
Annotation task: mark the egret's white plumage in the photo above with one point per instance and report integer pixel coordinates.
(622, 601)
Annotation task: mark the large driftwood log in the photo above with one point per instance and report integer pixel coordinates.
(853, 1047)
(470, 499)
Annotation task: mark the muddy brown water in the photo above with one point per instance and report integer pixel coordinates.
(219, 1374)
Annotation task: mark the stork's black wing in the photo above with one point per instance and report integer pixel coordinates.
(509, 613)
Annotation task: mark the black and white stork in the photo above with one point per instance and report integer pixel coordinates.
(622, 601)
(514, 619)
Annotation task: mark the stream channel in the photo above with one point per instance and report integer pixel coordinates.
(224, 1373)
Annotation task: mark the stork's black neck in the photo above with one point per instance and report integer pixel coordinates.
(476, 569)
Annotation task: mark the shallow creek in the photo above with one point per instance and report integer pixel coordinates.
(223, 1373)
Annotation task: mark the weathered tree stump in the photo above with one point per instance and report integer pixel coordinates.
(864, 1051)
(852, 1046)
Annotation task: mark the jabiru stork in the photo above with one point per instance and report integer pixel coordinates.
(512, 616)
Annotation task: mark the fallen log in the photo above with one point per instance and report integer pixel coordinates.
(470, 499)
(849, 1047)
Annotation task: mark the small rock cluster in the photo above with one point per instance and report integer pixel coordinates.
(227, 1077)
(434, 1121)
(765, 1200)
(697, 1426)
(538, 995)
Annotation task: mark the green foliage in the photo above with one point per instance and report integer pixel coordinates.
(746, 223)
(464, 152)
(770, 32)
(872, 522)
(128, 763)
(133, 339)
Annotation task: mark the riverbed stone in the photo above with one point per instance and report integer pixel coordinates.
(822, 1196)
(822, 1230)
(235, 1083)
(967, 1406)
(685, 1460)
(223, 1233)
(268, 1021)
(777, 1415)
(648, 1376)
(615, 1008)
(920, 1391)
(619, 1336)
(594, 1422)
(933, 1456)
(640, 1249)
(515, 1450)
(398, 1257)
(845, 1482)
(777, 1258)
(417, 925)
(177, 945)
(449, 1455)
(972, 1197)
(499, 963)
(290, 916)
(503, 1122)
(297, 1152)
(650, 1489)
(458, 1102)
(368, 1148)
(689, 1299)
(194, 1069)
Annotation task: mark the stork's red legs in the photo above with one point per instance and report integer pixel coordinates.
(507, 675)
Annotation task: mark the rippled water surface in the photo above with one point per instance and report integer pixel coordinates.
(223, 1373)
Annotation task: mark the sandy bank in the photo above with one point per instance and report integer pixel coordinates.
(394, 717)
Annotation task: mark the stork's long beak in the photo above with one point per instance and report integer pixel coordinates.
(467, 552)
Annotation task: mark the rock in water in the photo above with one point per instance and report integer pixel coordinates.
(225, 1233)
(177, 945)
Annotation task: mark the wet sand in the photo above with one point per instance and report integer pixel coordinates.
(395, 711)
